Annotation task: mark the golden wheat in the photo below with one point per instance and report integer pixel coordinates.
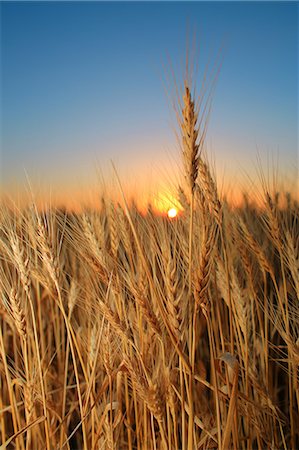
(122, 330)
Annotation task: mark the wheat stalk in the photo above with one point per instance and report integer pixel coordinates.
(15, 309)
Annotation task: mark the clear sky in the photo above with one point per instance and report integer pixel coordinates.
(82, 83)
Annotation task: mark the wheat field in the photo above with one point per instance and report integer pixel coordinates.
(123, 330)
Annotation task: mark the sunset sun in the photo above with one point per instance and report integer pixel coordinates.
(172, 213)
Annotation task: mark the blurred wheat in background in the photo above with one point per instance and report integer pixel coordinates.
(122, 330)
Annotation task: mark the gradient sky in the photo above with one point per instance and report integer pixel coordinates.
(82, 83)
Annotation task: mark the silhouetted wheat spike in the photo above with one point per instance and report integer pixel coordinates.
(189, 138)
(190, 146)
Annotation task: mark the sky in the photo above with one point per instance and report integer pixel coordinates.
(84, 83)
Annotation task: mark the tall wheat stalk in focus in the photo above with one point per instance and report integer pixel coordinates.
(190, 155)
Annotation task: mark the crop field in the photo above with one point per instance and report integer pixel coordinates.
(126, 330)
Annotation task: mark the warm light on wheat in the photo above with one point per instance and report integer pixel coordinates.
(121, 329)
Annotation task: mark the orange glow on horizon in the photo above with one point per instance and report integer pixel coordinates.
(146, 194)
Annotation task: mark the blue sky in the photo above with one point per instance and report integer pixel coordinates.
(83, 83)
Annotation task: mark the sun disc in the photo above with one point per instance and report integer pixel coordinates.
(172, 213)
